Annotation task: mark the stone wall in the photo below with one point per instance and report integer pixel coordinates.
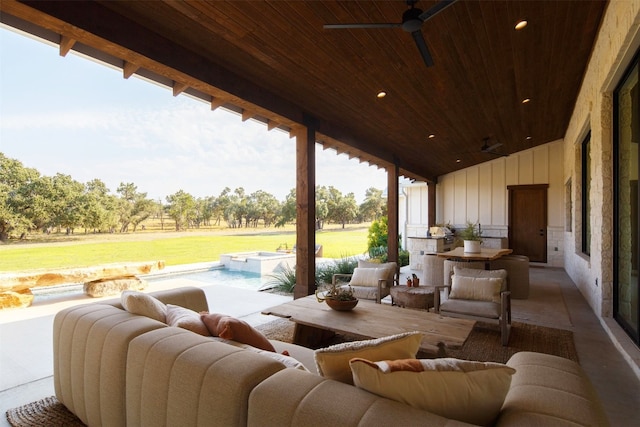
(615, 46)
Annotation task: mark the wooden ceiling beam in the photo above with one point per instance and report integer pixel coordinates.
(129, 69)
(178, 88)
(271, 125)
(216, 102)
(66, 43)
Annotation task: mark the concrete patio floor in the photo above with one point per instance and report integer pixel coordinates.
(612, 365)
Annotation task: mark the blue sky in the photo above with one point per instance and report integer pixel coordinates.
(74, 116)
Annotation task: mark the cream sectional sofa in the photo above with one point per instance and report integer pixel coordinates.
(114, 368)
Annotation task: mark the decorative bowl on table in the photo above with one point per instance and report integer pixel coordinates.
(341, 305)
(337, 297)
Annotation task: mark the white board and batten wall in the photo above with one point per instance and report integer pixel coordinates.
(479, 194)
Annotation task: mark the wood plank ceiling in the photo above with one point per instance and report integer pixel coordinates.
(274, 61)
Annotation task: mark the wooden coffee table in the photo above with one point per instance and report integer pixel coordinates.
(316, 321)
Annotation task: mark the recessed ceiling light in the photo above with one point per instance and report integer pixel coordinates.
(381, 94)
(458, 160)
(526, 100)
(521, 24)
(529, 138)
(431, 136)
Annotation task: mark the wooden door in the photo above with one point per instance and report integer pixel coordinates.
(528, 221)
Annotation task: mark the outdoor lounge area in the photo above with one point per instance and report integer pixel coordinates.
(522, 116)
(554, 302)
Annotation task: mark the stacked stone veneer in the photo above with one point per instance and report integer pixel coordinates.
(615, 46)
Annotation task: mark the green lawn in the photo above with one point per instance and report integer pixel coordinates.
(174, 250)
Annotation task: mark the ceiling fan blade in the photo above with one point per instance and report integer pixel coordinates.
(437, 8)
(371, 25)
(422, 47)
(497, 154)
(487, 148)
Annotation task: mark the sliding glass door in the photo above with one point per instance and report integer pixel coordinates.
(626, 208)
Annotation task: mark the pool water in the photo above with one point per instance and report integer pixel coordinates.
(220, 276)
(216, 276)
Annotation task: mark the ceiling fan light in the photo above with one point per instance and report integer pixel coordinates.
(521, 24)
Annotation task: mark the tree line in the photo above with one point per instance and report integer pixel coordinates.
(31, 202)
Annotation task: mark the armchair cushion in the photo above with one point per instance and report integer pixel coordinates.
(473, 272)
(368, 276)
(476, 288)
(390, 267)
(487, 309)
(365, 292)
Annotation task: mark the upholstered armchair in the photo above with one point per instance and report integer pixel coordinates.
(370, 280)
(478, 295)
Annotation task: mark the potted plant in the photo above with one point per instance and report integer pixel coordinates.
(472, 236)
(339, 298)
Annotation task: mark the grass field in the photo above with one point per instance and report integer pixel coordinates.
(173, 248)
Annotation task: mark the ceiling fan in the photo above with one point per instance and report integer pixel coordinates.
(412, 20)
(486, 148)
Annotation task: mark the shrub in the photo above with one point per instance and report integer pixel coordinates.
(283, 280)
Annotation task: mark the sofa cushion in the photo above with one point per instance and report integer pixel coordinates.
(230, 328)
(145, 305)
(187, 319)
(333, 362)
(476, 288)
(550, 390)
(463, 390)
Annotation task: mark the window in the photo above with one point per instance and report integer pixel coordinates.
(568, 206)
(626, 233)
(586, 187)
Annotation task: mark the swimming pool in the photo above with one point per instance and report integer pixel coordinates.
(211, 276)
(218, 276)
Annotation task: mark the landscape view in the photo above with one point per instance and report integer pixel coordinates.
(118, 170)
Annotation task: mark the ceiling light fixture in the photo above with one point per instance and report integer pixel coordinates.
(526, 100)
(431, 136)
(381, 94)
(521, 24)
(529, 138)
(458, 160)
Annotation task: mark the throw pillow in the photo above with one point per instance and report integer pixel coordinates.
(143, 304)
(474, 272)
(285, 359)
(186, 319)
(390, 267)
(368, 276)
(468, 391)
(230, 328)
(476, 288)
(333, 362)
